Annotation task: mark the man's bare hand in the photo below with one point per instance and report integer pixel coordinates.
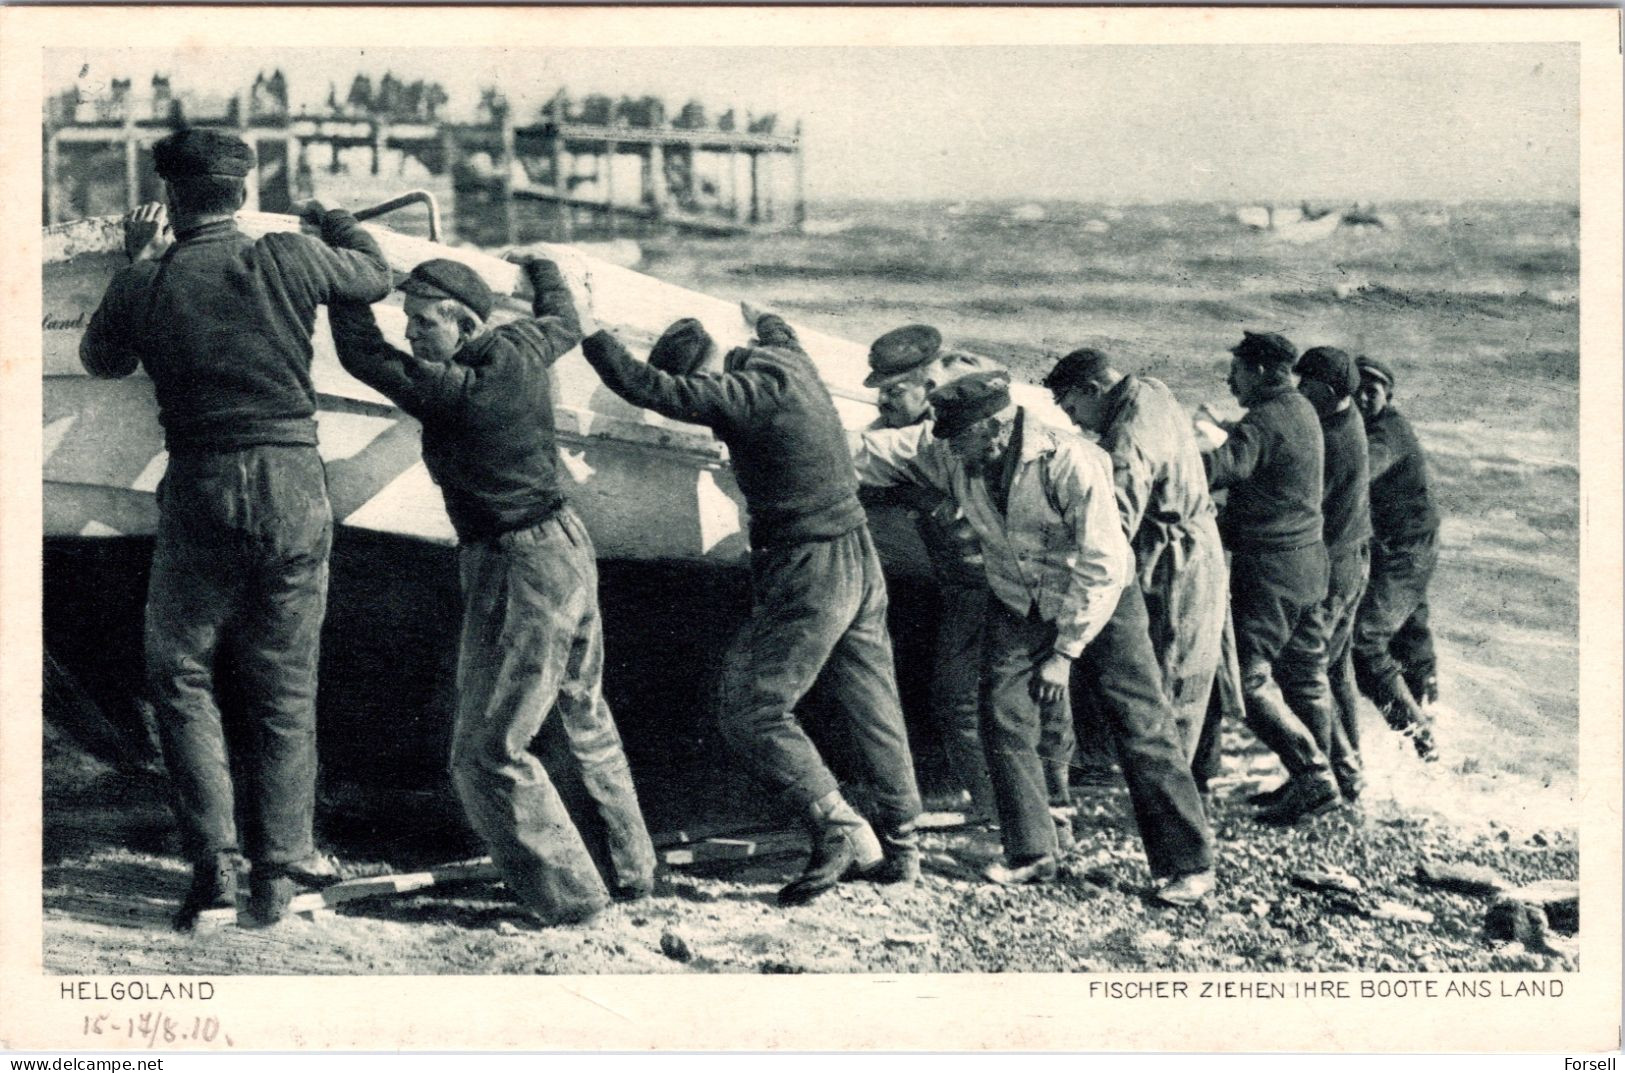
(313, 212)
(1209, 436)
(146, 232)
(1053, 675)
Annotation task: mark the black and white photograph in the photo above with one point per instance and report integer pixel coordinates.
(821, 494)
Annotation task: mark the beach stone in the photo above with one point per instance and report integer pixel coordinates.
(1398, 911)
(1334, 882)
(1461, 878)
(1559, 898)
(675, 947)
(1511, 919)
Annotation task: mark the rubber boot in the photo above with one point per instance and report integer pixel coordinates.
(1403, 714)
(841, 841)
(214, 886)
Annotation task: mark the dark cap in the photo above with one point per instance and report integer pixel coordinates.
(682, 348)
(1079, 367)
(1332, 367)
(901, 350)
(190, 154)
(445, 278)
(961, 403)
(1265, 348)
(1320, 396)
(1376, 370)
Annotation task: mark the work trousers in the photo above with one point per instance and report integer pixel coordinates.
(532, 648)
(956, 688)
(239, 569)
(956, 702)
(819, 615)
(1392, 638)
(1120, 669)
(1349, 570)
(1278, 600)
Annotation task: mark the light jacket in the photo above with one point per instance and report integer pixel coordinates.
(1059, 549)
(1169, 517)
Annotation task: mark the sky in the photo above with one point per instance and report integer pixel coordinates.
(1368, 123)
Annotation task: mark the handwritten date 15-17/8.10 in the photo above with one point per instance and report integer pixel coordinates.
(155, 1027)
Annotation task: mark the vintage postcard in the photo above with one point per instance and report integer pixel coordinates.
(803, 528)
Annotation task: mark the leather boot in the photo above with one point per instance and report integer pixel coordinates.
(214, 886)
(270, 889)
(902, 862)
(841, 841)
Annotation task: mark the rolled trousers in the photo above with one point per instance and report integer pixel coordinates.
(1392, 638)
(533, 649)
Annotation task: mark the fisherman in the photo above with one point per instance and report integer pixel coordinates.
(222, 323)
(1271, 462)
(532, 645)
(1168, 515)
(1061, 569)
(818, 594)
(904, 365)
(1394, 661)
(1328, 379)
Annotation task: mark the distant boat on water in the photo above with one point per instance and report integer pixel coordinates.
(1295, 225)
(1028, 213)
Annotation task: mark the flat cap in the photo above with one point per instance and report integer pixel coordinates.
(682, 348)
(1079, 367)
(445, 278)
(960, 403)
(1376, 370)
(901, 350)
(192, 153)
(1320, 396)
(1265, 348)
(1330, 366)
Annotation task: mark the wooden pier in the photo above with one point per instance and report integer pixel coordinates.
(691, 177)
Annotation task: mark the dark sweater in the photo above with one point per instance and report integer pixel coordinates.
(222, 324)
(487, 415)
(1347, 503)
(1402, 507)
(788, 449)
(1273, 466)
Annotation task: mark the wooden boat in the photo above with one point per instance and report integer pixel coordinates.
(658, 496)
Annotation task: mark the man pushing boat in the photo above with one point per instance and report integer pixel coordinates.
(818, 594)
(532, 645)
(222, 323)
